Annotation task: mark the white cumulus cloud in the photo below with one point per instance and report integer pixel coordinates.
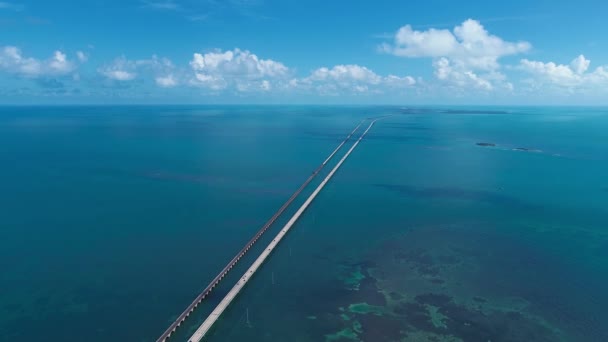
(167, 81)
(82, 57)
(123, 69)
(573, 76)
(580, 64)
(119, 75)
(345, 74)
(456, 76)
(59, 63)
(466, 57)
(350, 78)
(236, 68)
(13, 61)
(469, 44)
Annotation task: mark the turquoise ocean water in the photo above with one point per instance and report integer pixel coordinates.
(112, 219)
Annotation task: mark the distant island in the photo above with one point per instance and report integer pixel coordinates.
(450, 111)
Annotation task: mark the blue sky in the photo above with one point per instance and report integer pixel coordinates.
(288, 51)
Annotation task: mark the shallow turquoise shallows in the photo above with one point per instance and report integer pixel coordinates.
(445, 224)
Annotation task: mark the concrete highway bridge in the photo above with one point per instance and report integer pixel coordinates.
(208, 323)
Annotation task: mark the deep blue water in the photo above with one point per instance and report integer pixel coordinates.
(113, 218)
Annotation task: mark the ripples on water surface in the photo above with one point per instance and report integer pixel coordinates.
(113, 218)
